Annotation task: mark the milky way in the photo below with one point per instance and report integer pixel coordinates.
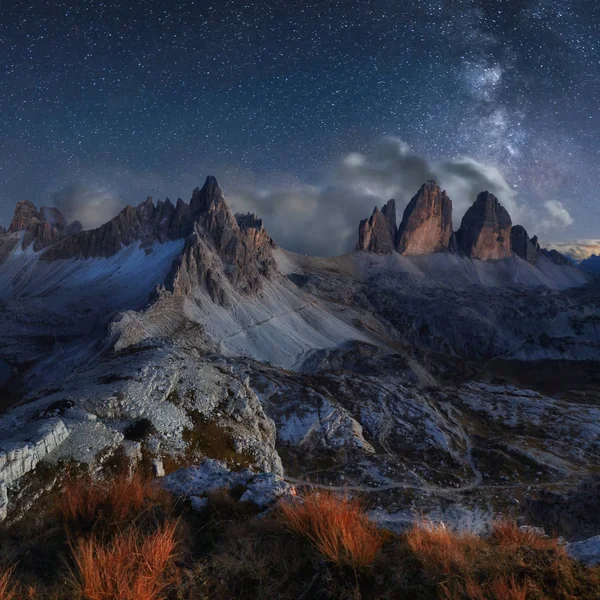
(136, 98)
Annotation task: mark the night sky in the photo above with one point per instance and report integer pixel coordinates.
(308, 112)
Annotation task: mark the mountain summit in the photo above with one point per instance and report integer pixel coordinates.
(426, 226)
(485, 229)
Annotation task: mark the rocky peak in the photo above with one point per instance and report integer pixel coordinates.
(527, 249)
(218, 246)
(25, 211)
(485, 229)
(223, 249)
(211, 194)
(378, 233)
(556, 257)
(74, 227)
(53, 216)
(426, 225)
(42, 228)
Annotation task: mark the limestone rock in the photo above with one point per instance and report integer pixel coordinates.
(586, 551)
(378, 233)
(485, 229)
(522, 246)
(262, 489)
(426, 226)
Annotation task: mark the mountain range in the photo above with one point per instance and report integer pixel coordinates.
(440, 371)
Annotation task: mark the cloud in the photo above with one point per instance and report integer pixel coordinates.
(577, 250)
(558, 215)
(323, 219)
(93, 205)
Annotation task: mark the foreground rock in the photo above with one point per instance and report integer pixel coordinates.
(426, 226)
(195, 483)
(485, 229)
(586, 551)
(378, 233)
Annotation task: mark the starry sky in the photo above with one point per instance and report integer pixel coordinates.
(308, 112)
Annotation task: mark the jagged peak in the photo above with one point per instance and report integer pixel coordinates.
(378, 232)
(25, 211)
(248, 220)
(389, 208)
(426, 225)
(485, 229)
(209, 195)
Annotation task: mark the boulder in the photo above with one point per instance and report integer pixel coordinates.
(426, 225)
(378, 233)
(485, 229)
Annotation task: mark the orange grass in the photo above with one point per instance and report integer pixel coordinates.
(7, 588)
(85, 501)
(507, 534)
(131, 567)
(442, 550)
(336, 526)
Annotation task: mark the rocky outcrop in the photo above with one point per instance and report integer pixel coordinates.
(521, 245)
(20, 457)
(426, 225)
(378, 233)
(25, 212)
(485, 229)
(574, 514)
(196, 482)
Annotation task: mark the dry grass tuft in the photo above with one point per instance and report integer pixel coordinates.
(336, 526)
(132, 566)
(442, 550)
(85, 502)
(508, 589)
(507, 534)
(8, 590)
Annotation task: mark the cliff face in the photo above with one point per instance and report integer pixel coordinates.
(221, 246)
(426, 226)
(378, 233)
(485, 229)
(522, 246)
